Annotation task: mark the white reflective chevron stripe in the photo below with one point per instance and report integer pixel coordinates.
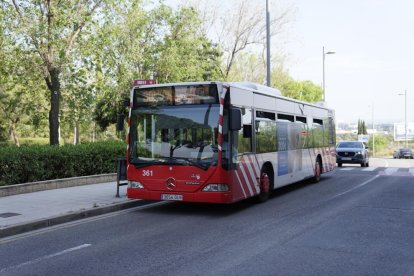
(241, 185)
(246, 179)
(253, 177)
(255, 165)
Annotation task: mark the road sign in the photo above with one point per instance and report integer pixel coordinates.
(363, 138)
(143, 82)
(399, 131)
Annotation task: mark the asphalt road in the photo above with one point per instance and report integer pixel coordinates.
(356, 221)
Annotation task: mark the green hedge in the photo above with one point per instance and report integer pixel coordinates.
(41, 162)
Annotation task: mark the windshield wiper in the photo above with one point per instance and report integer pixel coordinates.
(189, 161)
(141, 164)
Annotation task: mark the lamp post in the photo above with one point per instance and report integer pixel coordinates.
(405, 120)
(268, 82)
(323, 69)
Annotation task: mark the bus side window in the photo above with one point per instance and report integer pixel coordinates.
(318, 133)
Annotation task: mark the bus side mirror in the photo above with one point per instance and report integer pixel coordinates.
(120, 122)
(235, 119)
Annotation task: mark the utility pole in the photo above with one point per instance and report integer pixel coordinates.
(405, 120)
(268, 82)
(323, 69)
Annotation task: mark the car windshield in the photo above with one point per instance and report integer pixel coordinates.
(174, 135)
(405, 150)
(350, 145)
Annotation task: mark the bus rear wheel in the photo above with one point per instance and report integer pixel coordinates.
(264, 185)
(317, 171)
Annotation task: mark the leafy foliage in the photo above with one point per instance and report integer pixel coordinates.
(302, 90)
(90, 51)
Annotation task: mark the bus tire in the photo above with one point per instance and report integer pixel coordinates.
(264, 184)
(317, 170)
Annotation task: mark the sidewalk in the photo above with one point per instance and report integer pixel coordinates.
(30, 211)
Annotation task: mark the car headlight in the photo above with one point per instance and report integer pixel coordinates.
(358, 152)
(216, 188)
(135, 185)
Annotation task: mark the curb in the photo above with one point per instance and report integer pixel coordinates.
(55, 184)
(52, 221)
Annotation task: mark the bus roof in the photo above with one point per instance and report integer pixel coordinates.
(255, 87)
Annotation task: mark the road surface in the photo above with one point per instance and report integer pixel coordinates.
(356, 221)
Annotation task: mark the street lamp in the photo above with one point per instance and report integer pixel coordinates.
(405, 103)
(323, 69)
(268, 44)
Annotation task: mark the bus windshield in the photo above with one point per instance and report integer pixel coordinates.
(172, 135)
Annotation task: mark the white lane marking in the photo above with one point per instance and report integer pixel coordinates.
(47, 257)
(79, 222)
(347, 169)
(412, 171)
(386, 163)
(356, 187)
(390, 171)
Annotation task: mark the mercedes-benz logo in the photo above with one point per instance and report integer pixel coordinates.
(170, 183)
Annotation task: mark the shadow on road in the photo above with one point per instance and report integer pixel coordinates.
(222, 210)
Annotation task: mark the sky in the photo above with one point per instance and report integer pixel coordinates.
(373, 41)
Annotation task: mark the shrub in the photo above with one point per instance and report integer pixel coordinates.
(43, 162)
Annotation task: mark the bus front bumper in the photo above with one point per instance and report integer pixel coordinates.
(207, 197)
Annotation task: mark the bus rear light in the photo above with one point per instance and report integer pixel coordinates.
(135, 185)
(216, 188)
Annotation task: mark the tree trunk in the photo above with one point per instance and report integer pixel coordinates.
(76, 133)
(13, 134)
(54, 106)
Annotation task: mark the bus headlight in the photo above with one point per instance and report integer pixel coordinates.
(216, 188)
(135, 185)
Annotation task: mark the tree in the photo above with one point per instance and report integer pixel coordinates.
(21, 97)
(302, 90)
(51, 29)
(238, 29)
(362, 129)
(160, 43)
(184, 53)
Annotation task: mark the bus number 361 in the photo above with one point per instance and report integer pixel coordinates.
(147, 173)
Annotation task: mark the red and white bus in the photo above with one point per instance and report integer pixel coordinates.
(223, 142)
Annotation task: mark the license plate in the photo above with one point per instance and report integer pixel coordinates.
(171, 197)
(346, 158)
